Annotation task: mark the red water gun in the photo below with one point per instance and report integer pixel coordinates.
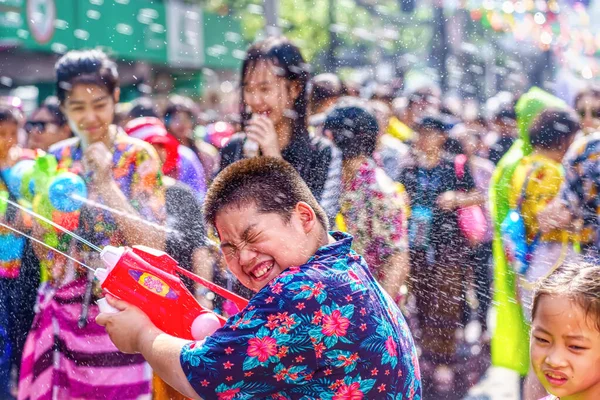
(147, 278)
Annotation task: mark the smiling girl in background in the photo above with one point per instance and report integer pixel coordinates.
(274, 119)
(565, 341)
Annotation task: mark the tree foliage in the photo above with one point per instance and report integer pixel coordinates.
(358, 23)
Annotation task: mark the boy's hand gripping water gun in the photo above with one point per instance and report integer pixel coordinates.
(147, 279)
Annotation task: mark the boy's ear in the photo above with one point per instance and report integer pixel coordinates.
(307, 216)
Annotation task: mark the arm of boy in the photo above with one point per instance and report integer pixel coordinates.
(132, 332)
(98, 159)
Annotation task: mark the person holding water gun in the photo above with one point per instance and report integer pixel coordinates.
(565, 341)
(122, 174)
(319, 326)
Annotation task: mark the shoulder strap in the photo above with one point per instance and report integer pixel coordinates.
(534, 169)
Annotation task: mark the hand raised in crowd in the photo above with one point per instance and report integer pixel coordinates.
(261, 129)
(97, 160)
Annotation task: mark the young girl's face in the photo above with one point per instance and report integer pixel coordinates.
(565, 349)
(268, 93)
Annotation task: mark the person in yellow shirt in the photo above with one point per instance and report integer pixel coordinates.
(535, 183)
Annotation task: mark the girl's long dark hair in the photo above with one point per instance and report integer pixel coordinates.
(284, 55)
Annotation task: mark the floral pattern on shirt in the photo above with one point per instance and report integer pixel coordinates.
(582, 183)
(324, 330)
(136, 170)
(11, 246)
(374, 210)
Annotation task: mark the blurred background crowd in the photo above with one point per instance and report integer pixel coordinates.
(398, 114)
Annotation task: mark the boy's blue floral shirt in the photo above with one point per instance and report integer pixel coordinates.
(324, 330)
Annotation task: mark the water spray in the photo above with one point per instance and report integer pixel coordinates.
(142, 276)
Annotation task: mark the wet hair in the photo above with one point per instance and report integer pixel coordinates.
(142, 107)
(324, 87)
(9, 114)
(577, 280)
(52, 104)
(177, 104)
(354, 130)
(271, 184)
(288, 59)
(91, 67)
(553, 127)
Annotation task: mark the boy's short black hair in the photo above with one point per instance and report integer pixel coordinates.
(85, 67)
(354, 130)
(272, 184)
(553, 127)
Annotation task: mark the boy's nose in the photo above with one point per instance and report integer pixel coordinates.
(247, 256)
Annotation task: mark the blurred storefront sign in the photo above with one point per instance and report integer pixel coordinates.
(170, 33)
(185, 35)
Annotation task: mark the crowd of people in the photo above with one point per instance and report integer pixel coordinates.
(433, 214)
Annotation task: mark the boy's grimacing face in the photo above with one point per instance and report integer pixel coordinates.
(565, 349)
(260, 246)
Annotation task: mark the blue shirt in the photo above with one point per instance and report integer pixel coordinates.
(324, 330)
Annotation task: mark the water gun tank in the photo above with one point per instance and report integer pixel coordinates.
(66, 191)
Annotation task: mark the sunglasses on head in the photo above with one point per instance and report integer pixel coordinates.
(40, 126)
